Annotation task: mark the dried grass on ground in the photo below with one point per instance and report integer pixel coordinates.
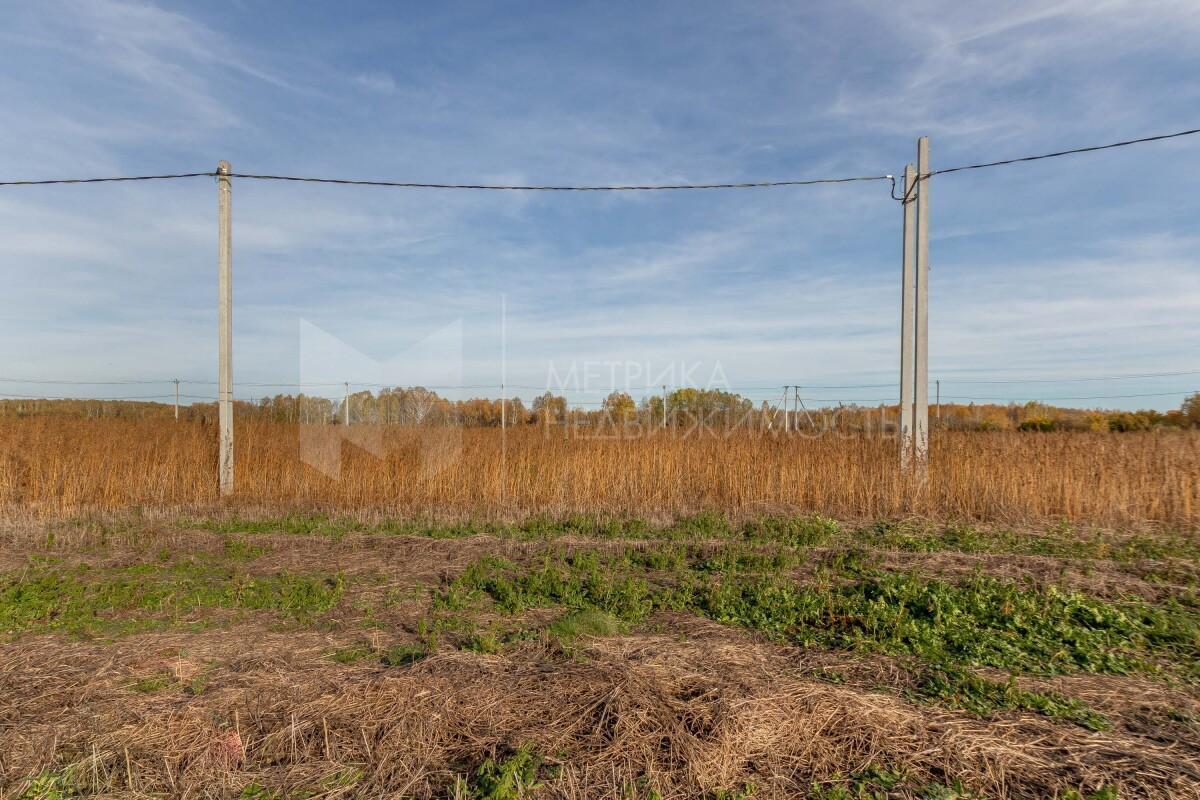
(695, 710)
(64, 466)
(229, 702)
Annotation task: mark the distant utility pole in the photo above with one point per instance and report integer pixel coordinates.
(798, 405)
(177, 399)
(787, 425)
(346, 405)
(938, 400)
(225, 328)
(664, 407)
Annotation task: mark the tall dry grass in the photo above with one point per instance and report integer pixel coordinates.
(63, 466)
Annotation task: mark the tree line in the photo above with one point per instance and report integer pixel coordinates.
(687, 407)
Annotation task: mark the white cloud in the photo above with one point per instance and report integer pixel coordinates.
(380, 82)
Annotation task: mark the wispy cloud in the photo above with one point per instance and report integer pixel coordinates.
(380, 82)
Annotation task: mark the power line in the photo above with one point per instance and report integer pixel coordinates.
(614, 187)
(563, 188)
(474, 186)
(1076, 380)
(1073, 151)
(1087, 397)
(587, 390)
(88, 399)
(109, 180)
(83, 383)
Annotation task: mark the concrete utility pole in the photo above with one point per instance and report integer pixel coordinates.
(787, 426)
(346, 406)
(503, 371)
(664, 407)
(908, 293)
(177, 399)
(938, 400)
(225, 328)
(921, 378)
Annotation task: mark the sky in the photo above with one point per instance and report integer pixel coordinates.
(1048, 273)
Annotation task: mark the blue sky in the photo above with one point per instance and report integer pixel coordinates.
(1075, 267)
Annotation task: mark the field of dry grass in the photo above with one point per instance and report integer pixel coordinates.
(52, 467)
(554, 615)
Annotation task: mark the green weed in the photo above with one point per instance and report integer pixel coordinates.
(402, 655)
(353, 654)
(587, 622)
(793, 531)
(961, 688)
(239, 549)
(951, 629)
(1103, 793)
(49, 785)
(153, 683)
(509, 779)
(255, 791)
(880, 783)
(117, 600)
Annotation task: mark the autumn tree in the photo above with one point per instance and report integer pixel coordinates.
(550, 408)
(619, 407)
(1191, 410)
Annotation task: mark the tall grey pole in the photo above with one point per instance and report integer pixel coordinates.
(177, 399)
(346, 405)
(921, 378)
(225, 327)
(938, 401)
(787, 426)
(503, 367)
(908, 293)
(664, 407)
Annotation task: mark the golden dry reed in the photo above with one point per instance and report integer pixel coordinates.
(56, 466)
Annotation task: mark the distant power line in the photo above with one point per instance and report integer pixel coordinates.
(586, 389)
(1129, 376)
(35, 381)
(1087, 397)
(46, 397)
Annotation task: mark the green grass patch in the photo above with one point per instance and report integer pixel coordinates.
(797, 531)
(876, 782)
(982, 622)
(961, 688)
(153, 683)
(50, 785)
(586, 622)
(353, 654)
(948, 629)
(402, 655)
(1060, 541)
(119, 600)
(237, 548)
(511, 778)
